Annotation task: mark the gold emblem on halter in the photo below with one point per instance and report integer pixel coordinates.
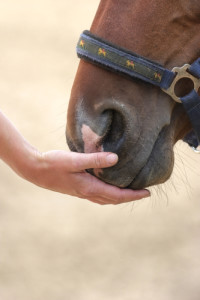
(102, 51)
(82, 43)
(130, 64)
(180, 74)
(158, 76)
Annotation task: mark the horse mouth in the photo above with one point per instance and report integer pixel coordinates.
(155, 170)
(159, 165)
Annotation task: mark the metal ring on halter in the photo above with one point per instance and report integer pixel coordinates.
(181, 73)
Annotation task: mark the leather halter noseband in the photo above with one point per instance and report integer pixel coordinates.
(119, 60)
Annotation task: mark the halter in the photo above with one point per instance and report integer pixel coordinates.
(119, 60)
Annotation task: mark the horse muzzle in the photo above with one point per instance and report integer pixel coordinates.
(145, 152)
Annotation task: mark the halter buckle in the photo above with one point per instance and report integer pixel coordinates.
(181, 73)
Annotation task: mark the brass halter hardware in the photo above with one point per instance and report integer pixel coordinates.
(181, 73)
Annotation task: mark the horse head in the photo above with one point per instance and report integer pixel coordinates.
(136, 120)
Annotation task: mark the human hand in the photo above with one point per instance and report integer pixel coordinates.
(64, 172)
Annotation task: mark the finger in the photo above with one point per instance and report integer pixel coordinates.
(102, 200)
(83, 161)
(98, 201)
(125, 196)
(97, 188)
(106, 201)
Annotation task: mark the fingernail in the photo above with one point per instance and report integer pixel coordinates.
(112, 159)
(147, 194)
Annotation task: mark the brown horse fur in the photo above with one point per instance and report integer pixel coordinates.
(136, 120)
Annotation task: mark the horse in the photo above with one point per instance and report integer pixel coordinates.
(136, 120)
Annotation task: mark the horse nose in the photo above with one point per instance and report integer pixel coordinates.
(105, 134)
(108, 126)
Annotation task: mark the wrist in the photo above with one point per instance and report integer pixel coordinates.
(28, 163)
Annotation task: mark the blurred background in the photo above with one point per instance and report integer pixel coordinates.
(57, 247)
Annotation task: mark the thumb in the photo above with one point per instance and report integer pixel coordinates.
(96, 160)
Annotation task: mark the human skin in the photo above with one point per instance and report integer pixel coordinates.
(62, 171)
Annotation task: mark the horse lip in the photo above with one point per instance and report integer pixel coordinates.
(70, 144)
(137, 182)
(138, 176)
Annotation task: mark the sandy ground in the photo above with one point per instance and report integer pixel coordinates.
(57, 247)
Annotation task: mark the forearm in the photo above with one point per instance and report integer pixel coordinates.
(15, 150)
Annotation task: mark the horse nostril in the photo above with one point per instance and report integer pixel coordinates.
(114, 136)
(105, 133)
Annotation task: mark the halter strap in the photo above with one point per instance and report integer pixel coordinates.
(119, 60)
